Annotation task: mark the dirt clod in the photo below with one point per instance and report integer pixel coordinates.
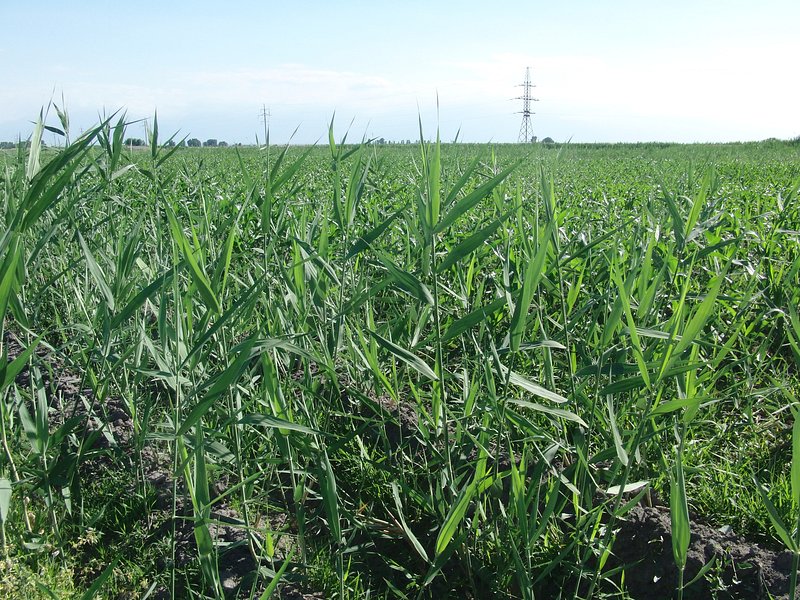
(742, 569)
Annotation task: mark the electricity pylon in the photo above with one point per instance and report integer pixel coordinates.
(526, 129)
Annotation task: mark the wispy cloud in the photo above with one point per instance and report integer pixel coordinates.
(293, 85)
(713, 89)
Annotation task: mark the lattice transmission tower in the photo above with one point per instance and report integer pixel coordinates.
(526, 129)
(265, 114)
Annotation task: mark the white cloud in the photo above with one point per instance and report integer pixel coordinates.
(741, 92)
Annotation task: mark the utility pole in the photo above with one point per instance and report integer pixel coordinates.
(526, 129)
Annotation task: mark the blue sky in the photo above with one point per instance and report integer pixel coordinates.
(605, 71)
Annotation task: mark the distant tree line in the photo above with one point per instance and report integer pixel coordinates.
(191, 143)
(133, 142)
(12, 145)
(209, 143)
(139, 142)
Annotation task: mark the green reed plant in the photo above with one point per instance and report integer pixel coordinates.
(441, 368)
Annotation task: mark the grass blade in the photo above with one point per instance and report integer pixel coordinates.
(472, 199)
(470, 244)
(406, 529)
(795, 471)
(101, 579)
(220, 384)
(273, 585)
(473, 318)
(454, 518)
(137, 301)
(532, 275)
(364, 241)
(97, 273)
(679, 514)
(270, 422)
(407, 281)
(5, 498)
(556, 412)
(701, 315)
(632, 331)
(198, 276)
(774, 517)
(412, 360)
(612, 420)
(535, 389)
(330, 498)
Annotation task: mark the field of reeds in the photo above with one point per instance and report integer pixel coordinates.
(405, 371)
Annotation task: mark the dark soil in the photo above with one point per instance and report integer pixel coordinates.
(742, 569)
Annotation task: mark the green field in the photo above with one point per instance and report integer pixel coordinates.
(357, 370)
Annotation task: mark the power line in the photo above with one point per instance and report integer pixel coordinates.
(526, 129)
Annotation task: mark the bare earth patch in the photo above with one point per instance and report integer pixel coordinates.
(743, 569)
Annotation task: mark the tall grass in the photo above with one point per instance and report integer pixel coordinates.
(443, 369)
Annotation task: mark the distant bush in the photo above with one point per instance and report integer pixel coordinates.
(193, 143)
(212, 143)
